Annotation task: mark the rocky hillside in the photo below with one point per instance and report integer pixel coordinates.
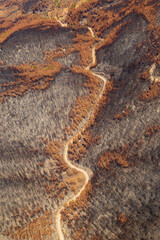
(82, 76)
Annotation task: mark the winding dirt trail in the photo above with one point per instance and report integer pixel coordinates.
(65, 155)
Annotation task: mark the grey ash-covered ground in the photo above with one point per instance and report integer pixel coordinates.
(134, 191)
(26, 121)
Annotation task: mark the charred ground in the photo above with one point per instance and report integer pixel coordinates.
(46, 95)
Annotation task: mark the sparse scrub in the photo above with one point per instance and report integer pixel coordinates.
(56, 3)
(108, 157)
(153, 92)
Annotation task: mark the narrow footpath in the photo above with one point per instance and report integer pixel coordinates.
(65, 155)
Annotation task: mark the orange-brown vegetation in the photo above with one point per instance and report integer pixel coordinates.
(96, 140)
(8, 3)
(23, 22)
(139, 142)
(78, 205)
(20, 3)
(35, 77)
(41, 163)
(153, 92)
(54, 150)
(145, 75)
(35, 150)
(120, 116)
(69, 172)
(120, 157)
(35, 230)
(73, 211)
(96, 237)
(83, 104)
(89, 102)
(25, 211)
(75, 14)
(73, 181)
(122, 218)
(158, 59)
(58, 9)
(152, 129)
(39, 5)
(83, 44)
(112, 35)
(99, 19)
(38, 77)
(82, 140)
(10, 8)
(79, 146)
(102, 19)
(58, 52)
(56, 186)
(36, 6)
(100, 103)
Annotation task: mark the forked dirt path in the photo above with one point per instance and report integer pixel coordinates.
(65, 155)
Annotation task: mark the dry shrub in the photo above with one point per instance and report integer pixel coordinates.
(12, 2)
(76, 14)
(58, 53)
(153, 92)
(120, 116)
(36, 6)
(112, 35)
(100, 102)
(122, 218)
(83, 44)
(102, 19)
(96, 237)
(35, 230)
(152, 129)
(79, 147)
(79, 203)
(83, 104)
(120, 157)
(31, 77)
(75, 182)
(23, 22)
(145, 75)
(96, 140)
(94, 101)
(54, 150)
(69, 172)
